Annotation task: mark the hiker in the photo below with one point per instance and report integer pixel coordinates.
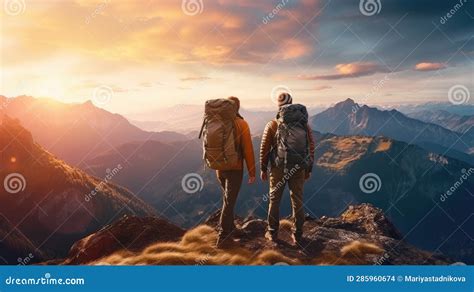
(288, 146)
(227, 143)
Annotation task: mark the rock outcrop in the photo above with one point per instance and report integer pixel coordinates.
(130, 232)
(361, 235)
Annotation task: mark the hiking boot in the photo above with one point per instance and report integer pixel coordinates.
(297, 238)
(273, 237)
(238, 233)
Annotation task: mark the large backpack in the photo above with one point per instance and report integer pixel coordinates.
(291, 147)
(220, 146)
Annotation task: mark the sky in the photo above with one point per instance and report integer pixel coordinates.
(135, 56)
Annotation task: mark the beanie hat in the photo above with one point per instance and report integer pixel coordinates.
(235, 100)
(284, 98)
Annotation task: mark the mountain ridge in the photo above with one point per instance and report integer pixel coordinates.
(409, 175)
(74, 131)
(459, 123)
(350, 118)
(51, 202)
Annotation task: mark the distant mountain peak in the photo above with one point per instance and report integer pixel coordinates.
(347, 102)
(346, 106)
(88, 103)
(349, 118)
(73, 131)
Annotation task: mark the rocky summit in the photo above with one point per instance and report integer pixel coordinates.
(360, 235)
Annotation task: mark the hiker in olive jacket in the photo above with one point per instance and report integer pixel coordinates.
(291, 162)
(225, 150)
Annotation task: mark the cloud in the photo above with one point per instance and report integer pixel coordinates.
(426, 66)
(322, 87)
(349, 70)
(145, 84)
(196, 78)
(125, 32)
(316, 88)
(91, 85)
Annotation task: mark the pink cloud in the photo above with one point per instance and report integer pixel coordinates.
(348, 70)
(128, 32)
(426, 66)
(322, 87)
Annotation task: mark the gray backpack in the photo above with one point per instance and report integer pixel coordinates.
(292, 142)
(220, 147)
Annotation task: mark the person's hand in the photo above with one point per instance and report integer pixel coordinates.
(251, 180)
(264, 175)
(307, 175)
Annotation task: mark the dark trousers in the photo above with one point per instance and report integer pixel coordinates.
(231, 181)
(278, 182)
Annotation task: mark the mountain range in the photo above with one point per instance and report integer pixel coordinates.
(350, 118)
(76, 132)
(49, 202)
(466, 109)
(409, 176)
(188, 118)
(410, 161)
(454, 122)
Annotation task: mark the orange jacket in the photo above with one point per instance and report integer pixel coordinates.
(268, 143)
(244, 139)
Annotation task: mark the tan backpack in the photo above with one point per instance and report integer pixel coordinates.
(220, 146)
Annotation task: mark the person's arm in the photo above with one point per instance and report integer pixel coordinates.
(311, 149)
(247, 149)
(265, 148)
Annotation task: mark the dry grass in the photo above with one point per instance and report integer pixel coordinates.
(286, 226)
(360, 249)
(353, 253)
(197, 248)
(383, 145)
(343, 151)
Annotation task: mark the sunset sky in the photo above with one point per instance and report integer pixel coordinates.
(155, 54)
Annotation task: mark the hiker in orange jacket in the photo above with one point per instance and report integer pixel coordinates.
(231, 178)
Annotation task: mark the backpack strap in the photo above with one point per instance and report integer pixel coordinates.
(224, 139)
(204, 121)
(308, 141)
(237, 144)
